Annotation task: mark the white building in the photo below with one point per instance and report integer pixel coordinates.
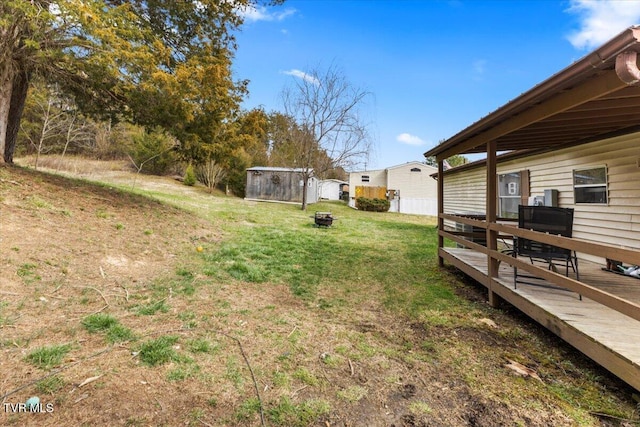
(409, 187)
(331, 189)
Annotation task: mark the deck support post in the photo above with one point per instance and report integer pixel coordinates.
(440, 209)
(491, 217)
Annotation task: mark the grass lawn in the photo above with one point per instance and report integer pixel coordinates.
(249, 314)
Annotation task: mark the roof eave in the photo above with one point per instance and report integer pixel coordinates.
(601, 58)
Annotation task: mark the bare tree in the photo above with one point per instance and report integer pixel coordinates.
(327, 110)
(210, 173)
(79, 131)
(50, 128)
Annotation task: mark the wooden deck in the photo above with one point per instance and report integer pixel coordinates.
(608, 337)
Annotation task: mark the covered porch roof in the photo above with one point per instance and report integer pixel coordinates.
(596, 97)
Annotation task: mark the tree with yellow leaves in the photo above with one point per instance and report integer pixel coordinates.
(156, 62)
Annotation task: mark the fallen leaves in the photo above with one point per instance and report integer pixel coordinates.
(89, 380)
(489, 323)
(521, 370)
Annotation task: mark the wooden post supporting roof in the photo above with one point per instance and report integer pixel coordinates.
(491, 217)
(440, 210)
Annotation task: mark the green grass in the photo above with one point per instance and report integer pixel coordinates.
(200, 345)
(159, 351)
(39, 203)
(363, 257)
(119, 333)
(183, 372)
(49, 356)
(247, 410)
(306, 377)
(99, 322)
(353, 394)
(184, 283)
(152, 308)
(290, 414)
(4, 319)
(114, 331)
(356, 250)
(27, 272)
(420, 408)
(50, 385)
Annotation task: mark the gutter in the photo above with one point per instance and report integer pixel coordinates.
(513, 155)
(600, 59)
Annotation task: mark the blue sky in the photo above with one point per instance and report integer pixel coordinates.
(433, 67)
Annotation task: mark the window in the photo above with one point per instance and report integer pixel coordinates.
(509, 194)
(416, 170)
(590, 185)
(365, 178)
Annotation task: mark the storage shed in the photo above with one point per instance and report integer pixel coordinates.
(332, 189)
(277, 184)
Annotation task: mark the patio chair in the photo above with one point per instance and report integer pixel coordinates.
(545, 219)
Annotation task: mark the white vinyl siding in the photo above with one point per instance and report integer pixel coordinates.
(465, 192)
(377, 178)
(413, 185)
(415, 192)
(617, 223)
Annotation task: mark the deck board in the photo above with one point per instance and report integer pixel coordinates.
(610, 338)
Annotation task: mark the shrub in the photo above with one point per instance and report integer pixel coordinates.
(373, 205)
(152, 152)
(210, 173)
(189, 176)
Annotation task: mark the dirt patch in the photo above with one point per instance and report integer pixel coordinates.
(70, 249)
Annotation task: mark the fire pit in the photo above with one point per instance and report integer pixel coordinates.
(324, 219)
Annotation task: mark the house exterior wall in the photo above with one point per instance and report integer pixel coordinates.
(465, 192)
(615, 223)
(377, 178)
(417, 191)
(413, 185)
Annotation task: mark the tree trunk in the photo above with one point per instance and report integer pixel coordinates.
(18, 98)
(5, 103)
(305, 181)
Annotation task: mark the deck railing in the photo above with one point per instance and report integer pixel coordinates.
(630, 256)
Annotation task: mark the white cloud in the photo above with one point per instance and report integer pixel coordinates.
(262, 13)
(302, 75)
(600, 20)
(479, 65)
(407, 138)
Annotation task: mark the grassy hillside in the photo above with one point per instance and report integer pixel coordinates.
(165, 305)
